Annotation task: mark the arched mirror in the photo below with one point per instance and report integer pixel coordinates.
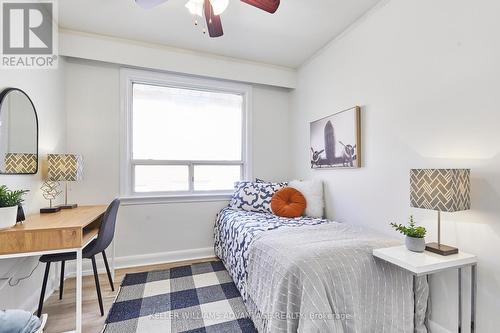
(18, 133)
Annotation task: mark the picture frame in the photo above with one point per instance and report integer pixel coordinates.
(335, 140)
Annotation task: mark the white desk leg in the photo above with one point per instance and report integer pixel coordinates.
(473, 299)
(79, 291)
(414, 283)
(460, 300)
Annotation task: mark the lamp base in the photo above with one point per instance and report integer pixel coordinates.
(441, 249)
(49, 210)
(69, 206)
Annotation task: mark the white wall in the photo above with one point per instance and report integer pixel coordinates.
(148, 233)
(426, 74)
(46, 89)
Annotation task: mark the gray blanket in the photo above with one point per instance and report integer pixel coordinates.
(324, 278)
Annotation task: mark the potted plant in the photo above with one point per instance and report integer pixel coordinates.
(415, 240)
(9, 205)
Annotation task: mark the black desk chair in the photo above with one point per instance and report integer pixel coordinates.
(98, 245)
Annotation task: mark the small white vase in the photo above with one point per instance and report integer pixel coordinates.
(415, 244)
(8, 217)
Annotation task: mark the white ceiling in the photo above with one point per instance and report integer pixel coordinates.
(289, 37)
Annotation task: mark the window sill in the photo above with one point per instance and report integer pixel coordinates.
(181, 198)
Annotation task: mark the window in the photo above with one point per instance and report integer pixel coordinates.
(182, 136)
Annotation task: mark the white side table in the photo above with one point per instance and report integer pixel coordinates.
(426, 263)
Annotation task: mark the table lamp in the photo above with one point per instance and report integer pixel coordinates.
(443, 190)
(67, 168)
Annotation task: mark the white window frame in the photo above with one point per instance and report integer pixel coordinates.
(130, 76)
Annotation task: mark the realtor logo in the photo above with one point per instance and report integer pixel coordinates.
(28, 34)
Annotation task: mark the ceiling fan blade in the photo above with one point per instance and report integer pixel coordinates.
(214, 24)
(270, 6)
(147, 4)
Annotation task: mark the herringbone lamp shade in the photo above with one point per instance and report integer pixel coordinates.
(65, 167)
(447, 190)
(444, 190)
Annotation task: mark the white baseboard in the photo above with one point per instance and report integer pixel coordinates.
(164, 257)
(142, 260)
(436, 328)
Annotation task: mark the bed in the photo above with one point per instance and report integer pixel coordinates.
(315, 275)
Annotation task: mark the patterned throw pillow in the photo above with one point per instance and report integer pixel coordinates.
(255, 197)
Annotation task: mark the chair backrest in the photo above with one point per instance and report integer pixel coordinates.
(107, 229)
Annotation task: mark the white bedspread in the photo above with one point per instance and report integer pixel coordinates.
(313, 275)
(324, 278)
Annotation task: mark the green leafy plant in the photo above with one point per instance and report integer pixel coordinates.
(410, 230)
(10, 198)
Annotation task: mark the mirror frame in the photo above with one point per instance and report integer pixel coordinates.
(3, 94)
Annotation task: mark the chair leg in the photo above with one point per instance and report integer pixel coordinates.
(108, 271)
(44, 286)
(97, 286)
(61, 281)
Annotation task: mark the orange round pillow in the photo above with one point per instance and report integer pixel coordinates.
(288, 202)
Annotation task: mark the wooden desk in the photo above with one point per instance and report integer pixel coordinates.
(69, 230)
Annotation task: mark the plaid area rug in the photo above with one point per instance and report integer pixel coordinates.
(195, 299)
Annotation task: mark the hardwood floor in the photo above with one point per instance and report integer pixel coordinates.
(62, 312)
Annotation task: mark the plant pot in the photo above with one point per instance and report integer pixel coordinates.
(415, 244)
(8, 217)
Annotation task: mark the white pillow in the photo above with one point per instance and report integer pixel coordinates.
(312, 190)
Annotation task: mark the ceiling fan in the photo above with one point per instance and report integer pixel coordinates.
(212, 9)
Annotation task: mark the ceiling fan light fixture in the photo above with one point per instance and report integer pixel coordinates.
(219, 6)
(195, 7)
(212, 9)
